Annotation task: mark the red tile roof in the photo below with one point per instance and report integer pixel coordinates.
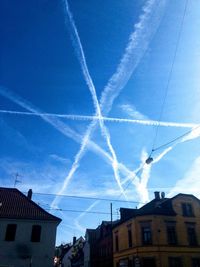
(15, 205)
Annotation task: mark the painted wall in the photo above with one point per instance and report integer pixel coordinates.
(86, 251)
(22, 251)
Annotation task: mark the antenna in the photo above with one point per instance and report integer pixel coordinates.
(17, 175)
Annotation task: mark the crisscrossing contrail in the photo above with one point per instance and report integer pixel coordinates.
(107, 119)
(137, 45)
(88, 79)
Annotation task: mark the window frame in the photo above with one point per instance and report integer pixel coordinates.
(36, 233)
(191, 234)
(146, 235)
(129, 234)
(187, 209)
(116, 242)
(195, 262)
(11, 231)
(177, 260)
(148, 260)
(171, 233)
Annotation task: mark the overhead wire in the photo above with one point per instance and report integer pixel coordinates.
(81, 211)
(88, 198)
(80, 197)
(175, 139)
(169, 79)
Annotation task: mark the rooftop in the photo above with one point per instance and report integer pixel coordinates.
(15, 205)
(157, 206)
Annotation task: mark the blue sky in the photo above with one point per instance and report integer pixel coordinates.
(134, 66)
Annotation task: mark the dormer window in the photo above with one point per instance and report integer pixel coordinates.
(187, 210)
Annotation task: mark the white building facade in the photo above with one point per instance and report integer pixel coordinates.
(27, 232)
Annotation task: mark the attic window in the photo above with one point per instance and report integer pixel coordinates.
(36, 233)
(187, 210)
(10, 232)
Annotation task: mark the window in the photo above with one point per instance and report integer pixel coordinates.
(36, 233)
(116, 243)
(171, 233)
(147, 262)
(130, 241)
(192, 239)
(146, 235)
(196, 262)
(175, 262)
(123, 263)
(10, 232)
(187, 210)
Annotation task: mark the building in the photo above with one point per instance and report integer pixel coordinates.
(163, 233)
(75, 255)
(99, 246)
(90, 239)
(60, 252)
(27, 232)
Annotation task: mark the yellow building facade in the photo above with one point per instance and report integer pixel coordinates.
(163, 233)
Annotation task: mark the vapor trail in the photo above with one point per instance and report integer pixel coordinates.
(68, 132)
(62, 128)
(55, 122)
(142, 188)
(126, 67)
(104, 130)
(108, 119)
(145, 175)
(138, 44)
(76, 221)
(144, 178)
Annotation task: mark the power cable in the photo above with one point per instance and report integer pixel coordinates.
(169, 77)
(81, 211)
(149, 160)
(175, 139)
(83, 197)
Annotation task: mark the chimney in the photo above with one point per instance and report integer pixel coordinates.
(29, 195)
(74, 240)
(157, 195)
(163, 195)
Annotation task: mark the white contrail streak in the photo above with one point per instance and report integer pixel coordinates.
(63, 128)
(104, 130)
(141, 186)
(107, 119)
(55, 122)
(68, 132)
(76, 221)
(138, 44)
